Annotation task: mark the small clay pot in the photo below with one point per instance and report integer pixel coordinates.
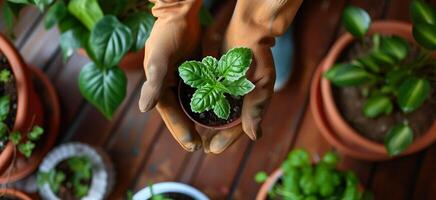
(29, 108)
(14, 194)
(344, 132)
(131, 61)
(186, 111)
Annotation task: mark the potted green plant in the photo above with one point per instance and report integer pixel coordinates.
(12, 194)
(212, 90)
(378, 90)
(298, 178)
(75, 171)
(169, 191)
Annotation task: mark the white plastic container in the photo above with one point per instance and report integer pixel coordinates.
(167, 187)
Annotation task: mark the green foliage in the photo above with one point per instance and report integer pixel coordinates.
(5, 105)
(5, 75)
(214, 78)
(53, 177)
(26, 148)
(261, 177)
(302, 180)
(385, 73)
(140, 23)
(86, 11)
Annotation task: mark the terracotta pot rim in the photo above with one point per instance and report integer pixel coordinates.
(219, 127)
(327, 96)
(269, 183)
(15, 193)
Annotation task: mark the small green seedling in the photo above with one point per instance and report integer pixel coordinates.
(213, 79)
(301, 180)
(384, 74)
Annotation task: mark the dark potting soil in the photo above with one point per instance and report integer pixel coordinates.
(67, 191)
(209, 117)
(8, 198)
(350, 101)
(177, 196)
(9, 89)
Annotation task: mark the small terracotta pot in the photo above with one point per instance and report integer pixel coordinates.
(29, 109)
(219, 127)
(14, 194)
(269, 183)
(334, 118)
(130, 61)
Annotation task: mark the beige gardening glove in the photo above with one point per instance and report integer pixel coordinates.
(255, 24)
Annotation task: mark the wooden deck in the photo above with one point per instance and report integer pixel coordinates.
(143, 150)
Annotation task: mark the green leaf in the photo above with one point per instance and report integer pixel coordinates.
(398, 139)
(240, 87)
(211, 63)
(195, 74)
(109, 41)
(8, 17)
(222, 107)
(5, 104)
(86, 11)
(5, 75)
(378, 105)
(395, 46)
(26, 149)
(425, 35)
(356, 20)
(71, 40)
(261, 177)
(331, 159)
(3, 131)
(234, 64)
(369, 62)
(21, 1)
(35, 133)
(15, 137)
(104, 88)
(204, 98)
(396, 76)
(140, 23)
(348, 75)
(42, 4)
(55, 14)
(422, 12)
(299, 158)
(412, 94)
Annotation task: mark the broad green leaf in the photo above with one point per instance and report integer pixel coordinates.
(86, 11)
(395, 46)
(332, 72)
(104, 88)
(140, 23)
(204, 98)
(412, 94)
(425, 35)
(234, 64)
(377, 105)
(55, 14)
(5, 104)
(222, 107)
(21, 1)
(114, 7)
(42, 4)
(10, 12)
(240, 87)
(211, 63)
(348, 75)
(109, 41)
(195, 74)
(396, 76)
(398, 139)
(35, 133)
(422, 12)
(73, 39)
(369, 62)
(356, 20)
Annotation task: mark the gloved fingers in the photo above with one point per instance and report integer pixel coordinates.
(263, 76)
(206, 136)
(224, 138)
(177, 122)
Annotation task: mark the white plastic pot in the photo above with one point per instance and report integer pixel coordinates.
(102, 169)
(167, 187)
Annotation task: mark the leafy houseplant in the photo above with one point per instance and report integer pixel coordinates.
(393, 75)
(218, 83)
(300, 179)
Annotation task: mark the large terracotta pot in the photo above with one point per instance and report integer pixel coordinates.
(14, 194)
(29, 108)
(130, 61)
(344, 132)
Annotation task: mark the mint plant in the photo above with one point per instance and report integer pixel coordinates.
(303, 180)
(385, 75)
(213, 79)
(78, 181)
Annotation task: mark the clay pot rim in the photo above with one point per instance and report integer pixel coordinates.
(326, 89)
(15, 193)
(232, 124)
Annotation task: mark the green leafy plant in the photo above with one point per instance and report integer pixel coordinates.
(78, 180)
(214, 78)
(385, 75)
(303, 180)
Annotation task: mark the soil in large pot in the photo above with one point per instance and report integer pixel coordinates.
(350, 101)
(8, 88)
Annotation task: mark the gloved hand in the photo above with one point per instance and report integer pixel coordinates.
(255, 24)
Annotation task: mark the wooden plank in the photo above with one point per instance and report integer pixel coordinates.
(289, 104)
(425, 187)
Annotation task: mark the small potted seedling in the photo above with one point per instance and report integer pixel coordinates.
(169, 191)
(298, 179)
(212, 90)
(75, 171)
(379, 85)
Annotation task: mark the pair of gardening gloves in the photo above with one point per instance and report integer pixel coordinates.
(176, 34)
